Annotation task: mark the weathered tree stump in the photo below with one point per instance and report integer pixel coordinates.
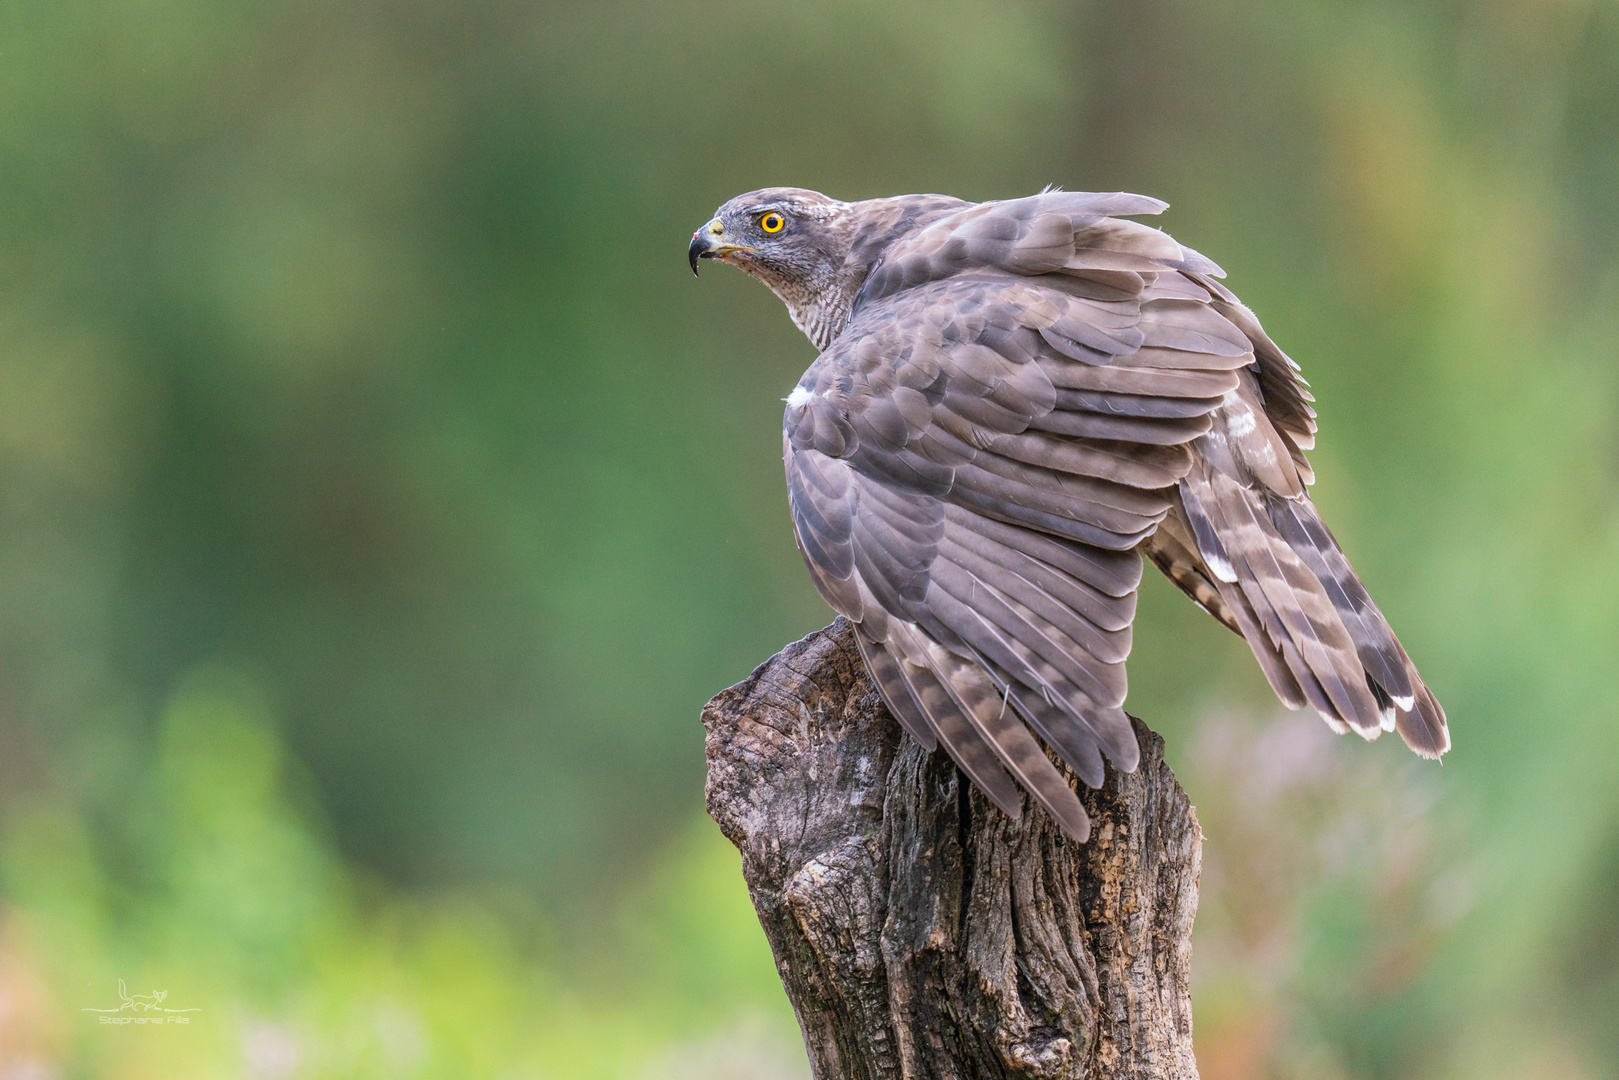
(918, 930)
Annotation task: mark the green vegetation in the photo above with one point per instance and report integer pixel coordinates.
(283, 962)
(380, 499)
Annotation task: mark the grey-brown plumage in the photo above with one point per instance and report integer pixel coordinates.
(1014, 402)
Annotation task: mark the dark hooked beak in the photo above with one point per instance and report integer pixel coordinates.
(709, 243)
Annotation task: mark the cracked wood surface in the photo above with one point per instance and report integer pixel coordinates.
(922, 933)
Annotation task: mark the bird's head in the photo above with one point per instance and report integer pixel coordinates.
(776, 234)
(797, 242)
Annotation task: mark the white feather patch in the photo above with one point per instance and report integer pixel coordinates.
(798, 398)
(1221, 568)
(1405, 703)
(1242, 423)
(1387, 716)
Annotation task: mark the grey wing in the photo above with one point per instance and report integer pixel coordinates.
(1310, 621)
(972, 466)
(974, 629)
(1029, 396)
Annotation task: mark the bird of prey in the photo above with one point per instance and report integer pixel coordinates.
(1014, 403)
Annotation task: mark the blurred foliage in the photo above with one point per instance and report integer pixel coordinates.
(380, 499)
(288, 964)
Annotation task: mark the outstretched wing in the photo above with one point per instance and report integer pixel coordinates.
(1027, 395)
(974, 461)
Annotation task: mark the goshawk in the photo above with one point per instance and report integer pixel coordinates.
(1014, 403)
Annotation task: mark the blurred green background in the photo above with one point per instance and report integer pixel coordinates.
(380, 499)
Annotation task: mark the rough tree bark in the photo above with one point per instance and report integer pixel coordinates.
(918, 930)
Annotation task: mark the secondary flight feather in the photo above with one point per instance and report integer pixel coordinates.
(1015, 403)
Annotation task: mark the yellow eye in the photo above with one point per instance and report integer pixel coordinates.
(772, 222)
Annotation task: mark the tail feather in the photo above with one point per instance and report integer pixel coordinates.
(1280, 586)
(1174, 549)
(1311, 623)
(1423, 728)
(1305, 532)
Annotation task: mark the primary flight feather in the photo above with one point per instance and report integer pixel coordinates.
(1014, 403)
